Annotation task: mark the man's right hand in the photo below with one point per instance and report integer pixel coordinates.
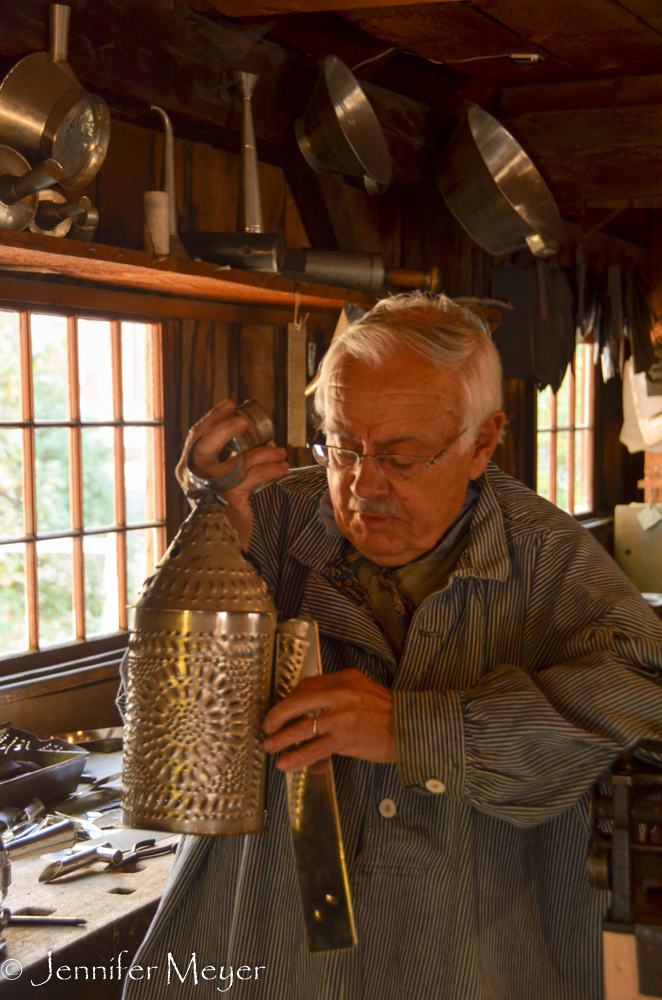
(261, 465)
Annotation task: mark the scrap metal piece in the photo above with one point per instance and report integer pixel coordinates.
(313, 810)
(83, 859)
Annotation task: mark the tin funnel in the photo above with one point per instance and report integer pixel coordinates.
(249, 212)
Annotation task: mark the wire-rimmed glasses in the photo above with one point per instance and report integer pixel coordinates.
(393, 467)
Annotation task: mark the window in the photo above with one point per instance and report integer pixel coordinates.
(81, 475)
(565, 429)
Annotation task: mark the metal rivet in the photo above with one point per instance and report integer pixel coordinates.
(318, 916)
(331, 900)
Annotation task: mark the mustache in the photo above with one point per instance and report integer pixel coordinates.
(388, 508)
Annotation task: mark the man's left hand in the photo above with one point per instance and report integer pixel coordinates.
(353, 717)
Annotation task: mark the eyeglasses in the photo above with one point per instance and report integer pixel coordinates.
(393, 467)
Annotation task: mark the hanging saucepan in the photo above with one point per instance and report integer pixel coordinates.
(340, 132)
(44, 111)
(495, 192)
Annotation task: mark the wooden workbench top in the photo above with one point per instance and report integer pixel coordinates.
(118, 907)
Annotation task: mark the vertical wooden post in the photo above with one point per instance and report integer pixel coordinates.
(156, 511)
(118, 456)
(76, 479)
(29, 484)
(572, 421)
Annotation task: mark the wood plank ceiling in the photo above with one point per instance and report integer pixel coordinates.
(589, 111)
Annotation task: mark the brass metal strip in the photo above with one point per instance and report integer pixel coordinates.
(313, 811)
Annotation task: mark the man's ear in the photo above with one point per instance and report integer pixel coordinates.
(486, 440)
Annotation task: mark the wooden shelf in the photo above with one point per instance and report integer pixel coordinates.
(134, 270)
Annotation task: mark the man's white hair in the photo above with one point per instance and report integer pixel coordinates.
(443, 332)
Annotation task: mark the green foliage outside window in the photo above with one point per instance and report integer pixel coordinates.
(52, 479)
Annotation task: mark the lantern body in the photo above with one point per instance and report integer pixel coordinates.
(199, 679)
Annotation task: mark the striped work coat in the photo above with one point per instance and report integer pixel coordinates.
(520, 682)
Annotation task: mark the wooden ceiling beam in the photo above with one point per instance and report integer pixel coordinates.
(267, 8)
(402, 72)
(613, 92)
(599, 36)
(599, 157)
(462, 37)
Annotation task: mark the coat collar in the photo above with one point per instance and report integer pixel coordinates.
(486, 555)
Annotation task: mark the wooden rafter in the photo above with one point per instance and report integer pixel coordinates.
(266, 8)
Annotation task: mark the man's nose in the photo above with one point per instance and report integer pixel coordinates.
(368, 481)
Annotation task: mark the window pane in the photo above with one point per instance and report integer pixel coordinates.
(95, 370)
(139, 560)
(583, 472)
(52, 478)
(572, 480)
(580, 385)
(11, 482)
(10, 376)
(562, 485)
(98, 480)
(100, 584)
(49, 367)
(584, 400)
(13, 633)
(542, 472)
(562, 403)
(135, 468)
(544, 407)
(55, 590)
(135, 371)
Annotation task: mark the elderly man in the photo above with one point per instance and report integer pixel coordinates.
(484, 662)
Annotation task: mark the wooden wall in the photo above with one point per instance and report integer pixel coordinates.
(207, 188)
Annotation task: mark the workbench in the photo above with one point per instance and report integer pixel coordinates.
(81, 963)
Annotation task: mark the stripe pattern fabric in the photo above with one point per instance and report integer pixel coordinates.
(520, 682)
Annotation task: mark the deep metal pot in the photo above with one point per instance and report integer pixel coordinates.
(495, 192)
(340, 132)
(44, 111)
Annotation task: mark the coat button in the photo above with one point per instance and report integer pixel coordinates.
(433, 785)
(387, 808)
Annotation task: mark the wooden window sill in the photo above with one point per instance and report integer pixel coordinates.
(64, 696)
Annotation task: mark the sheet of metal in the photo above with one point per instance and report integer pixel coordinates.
(313, 811)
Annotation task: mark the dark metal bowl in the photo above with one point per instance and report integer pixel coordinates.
(60, 767)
